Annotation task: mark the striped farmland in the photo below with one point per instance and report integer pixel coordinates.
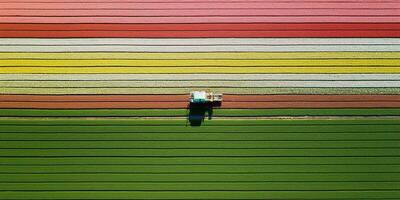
(94, 99)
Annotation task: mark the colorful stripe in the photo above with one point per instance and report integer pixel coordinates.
(198, 84)
(203, 63)
(180, 101)
(184, 70)
(186, 90)
(200, 30)
(203, 77)
(199, 41)
(204, 56)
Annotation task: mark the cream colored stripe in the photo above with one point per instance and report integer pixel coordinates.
(204, 56)
(187, 90)
(194, 48)
(201, 41)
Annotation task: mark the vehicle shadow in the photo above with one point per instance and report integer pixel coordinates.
(197, 112)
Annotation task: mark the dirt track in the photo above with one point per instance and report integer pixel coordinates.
(180, 101)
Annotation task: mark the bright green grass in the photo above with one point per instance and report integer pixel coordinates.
(126, 159)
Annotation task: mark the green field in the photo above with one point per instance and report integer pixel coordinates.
(105, 158)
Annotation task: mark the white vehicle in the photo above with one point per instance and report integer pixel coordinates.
(204, 97)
